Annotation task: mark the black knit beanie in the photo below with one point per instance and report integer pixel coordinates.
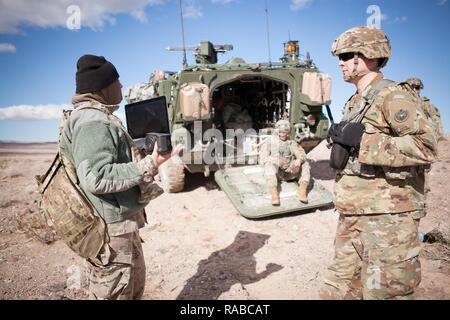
(94, 73)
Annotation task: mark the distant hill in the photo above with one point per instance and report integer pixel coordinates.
(14, 144)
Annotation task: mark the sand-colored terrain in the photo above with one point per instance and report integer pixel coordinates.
(197, 246)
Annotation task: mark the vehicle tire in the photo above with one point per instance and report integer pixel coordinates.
(171, 174)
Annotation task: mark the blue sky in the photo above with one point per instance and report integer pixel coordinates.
(38, 53)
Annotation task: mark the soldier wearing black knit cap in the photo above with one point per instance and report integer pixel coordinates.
(114, 177)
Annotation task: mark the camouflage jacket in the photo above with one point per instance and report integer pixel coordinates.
(433, 112)
(102, 157)
(281, 153)
(398, 138)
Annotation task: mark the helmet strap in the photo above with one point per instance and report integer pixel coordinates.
(354, 73)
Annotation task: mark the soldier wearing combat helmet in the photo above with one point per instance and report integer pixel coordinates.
(430, 109)
(380, 150)
(284, 159)
(416, 84)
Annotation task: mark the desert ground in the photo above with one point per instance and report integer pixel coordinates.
(197, 245)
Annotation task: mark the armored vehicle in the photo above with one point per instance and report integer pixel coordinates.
(222, 113)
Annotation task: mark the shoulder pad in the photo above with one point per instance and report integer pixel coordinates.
(401, 111)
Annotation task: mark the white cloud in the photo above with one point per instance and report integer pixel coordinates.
(29, 112)
(223, 1)
(7, 47)
(53, 13)
(400, 19)
(442, 2)
(384, 17)
(299, 4)
(192, 10)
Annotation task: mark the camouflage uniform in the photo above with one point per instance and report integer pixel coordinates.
(380, 193)
(277, 156)
(433, 112)
(113, 176)
(284, 160)
(118, 272)
(430, 110)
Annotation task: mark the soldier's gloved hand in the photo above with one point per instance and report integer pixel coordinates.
(281, 163)
(148, 168)
(347, 133)
(294, 167)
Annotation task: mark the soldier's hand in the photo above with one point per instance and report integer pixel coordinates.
(347, 133)
(294, 167)
(177, 150)
(297, 163)
(159, 159)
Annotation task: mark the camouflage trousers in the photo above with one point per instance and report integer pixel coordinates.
(376, 257)
(272, 173)
(118, 272)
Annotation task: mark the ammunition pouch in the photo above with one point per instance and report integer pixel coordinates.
(354, 168)
(339, 156)
(404, 173)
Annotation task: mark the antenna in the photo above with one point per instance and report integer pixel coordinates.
(182, 34)
(267, 29)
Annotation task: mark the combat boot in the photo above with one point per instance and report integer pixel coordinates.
(302, 191)
(275, 197)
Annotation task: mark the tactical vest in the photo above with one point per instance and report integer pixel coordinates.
(65, 206)
(353, 166)
(281, 150)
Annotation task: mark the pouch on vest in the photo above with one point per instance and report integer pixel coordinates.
(339, 156)
(70, 212)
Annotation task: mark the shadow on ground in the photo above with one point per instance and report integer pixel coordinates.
(224, 268)
(197, 180)
(321, 170)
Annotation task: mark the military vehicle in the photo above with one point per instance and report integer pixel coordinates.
(238, 95)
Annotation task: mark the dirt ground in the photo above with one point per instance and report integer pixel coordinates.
(197, 246)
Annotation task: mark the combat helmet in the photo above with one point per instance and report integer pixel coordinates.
(415, 83)
(283, 126)
(370, 42)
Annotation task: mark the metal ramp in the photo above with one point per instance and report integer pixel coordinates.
(247, 190)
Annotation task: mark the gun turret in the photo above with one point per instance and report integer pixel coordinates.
(205, 52)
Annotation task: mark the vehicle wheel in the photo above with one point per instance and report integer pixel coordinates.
(171, 173)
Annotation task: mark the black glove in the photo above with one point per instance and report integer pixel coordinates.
(347, 133)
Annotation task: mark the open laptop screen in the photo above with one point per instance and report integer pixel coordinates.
(147, 116)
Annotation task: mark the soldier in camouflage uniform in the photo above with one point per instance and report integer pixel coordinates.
(284, 159)
(431, 110)
(113, 176)
(379, 192)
